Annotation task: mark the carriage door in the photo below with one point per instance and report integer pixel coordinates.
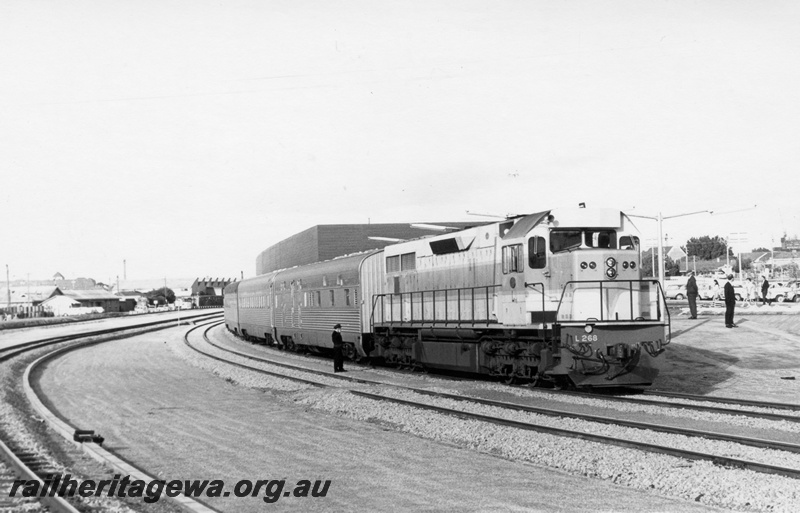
(512, 286)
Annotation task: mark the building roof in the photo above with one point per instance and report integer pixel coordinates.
(66, 300)
(28, 294)
(91, 295)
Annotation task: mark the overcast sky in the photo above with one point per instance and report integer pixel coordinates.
(186, 137)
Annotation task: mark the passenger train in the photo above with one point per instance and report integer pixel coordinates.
(553, 297)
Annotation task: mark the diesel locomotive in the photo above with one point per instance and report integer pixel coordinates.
(551, 297)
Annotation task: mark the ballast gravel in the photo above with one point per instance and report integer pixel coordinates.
(700, 481)
(625, 407)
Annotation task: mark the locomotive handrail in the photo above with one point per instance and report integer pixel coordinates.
(434, 297)
(660, 301)
(533, 286)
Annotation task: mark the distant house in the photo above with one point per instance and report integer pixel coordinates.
(93, 298)
(60, 306)
(128, 300)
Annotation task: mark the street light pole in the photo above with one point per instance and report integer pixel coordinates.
(660, 219)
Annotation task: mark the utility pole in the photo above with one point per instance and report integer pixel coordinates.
(8, 287)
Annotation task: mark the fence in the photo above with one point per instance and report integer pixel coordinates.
(23, 312)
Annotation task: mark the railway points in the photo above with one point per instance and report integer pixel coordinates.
(251, 430)
(27, 456)
(337, 405)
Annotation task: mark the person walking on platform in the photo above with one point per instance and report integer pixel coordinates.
(765, 291)
(749, 292)
(338, 359)
(730, 303)
(692, 293)
(715, 294)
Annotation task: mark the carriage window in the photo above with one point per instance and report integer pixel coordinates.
(605, 239)
(537, 253)
(318, 299)
(628, 242)
(347, 297)
(512, 259)
(564, 240)
(333, 302)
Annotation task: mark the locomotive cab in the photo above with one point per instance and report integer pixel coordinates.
(575, 275)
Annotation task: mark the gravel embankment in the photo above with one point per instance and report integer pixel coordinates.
(16, 419)
(696, 481)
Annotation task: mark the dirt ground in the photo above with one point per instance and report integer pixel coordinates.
(758, 360)
(176, 421)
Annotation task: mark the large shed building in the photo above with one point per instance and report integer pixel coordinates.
(95, 298)
(327, 241)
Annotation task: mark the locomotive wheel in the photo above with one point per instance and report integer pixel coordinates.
(349, 351)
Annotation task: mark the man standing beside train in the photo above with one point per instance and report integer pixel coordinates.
(692, 293)
(730, 303)
(338, 359)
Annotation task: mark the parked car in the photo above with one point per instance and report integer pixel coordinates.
(706, 290)
(780, 292)
(794, 291)
(675, 291)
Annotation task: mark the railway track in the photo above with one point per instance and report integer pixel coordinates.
(530, 418)
(724, 400)
(18, 460)
(737, 407)
(744, 408)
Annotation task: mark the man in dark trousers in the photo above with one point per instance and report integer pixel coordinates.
(765, 292)
(730, 303)
(338, 359)
(692, 293)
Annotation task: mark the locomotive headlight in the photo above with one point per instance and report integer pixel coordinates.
(633, 265)
(611, 272)
(588, 328)
(611, 262)
(592, 265)
(624, 265)
(584, 265)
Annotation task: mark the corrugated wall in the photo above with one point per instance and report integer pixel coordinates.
(327, 241)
